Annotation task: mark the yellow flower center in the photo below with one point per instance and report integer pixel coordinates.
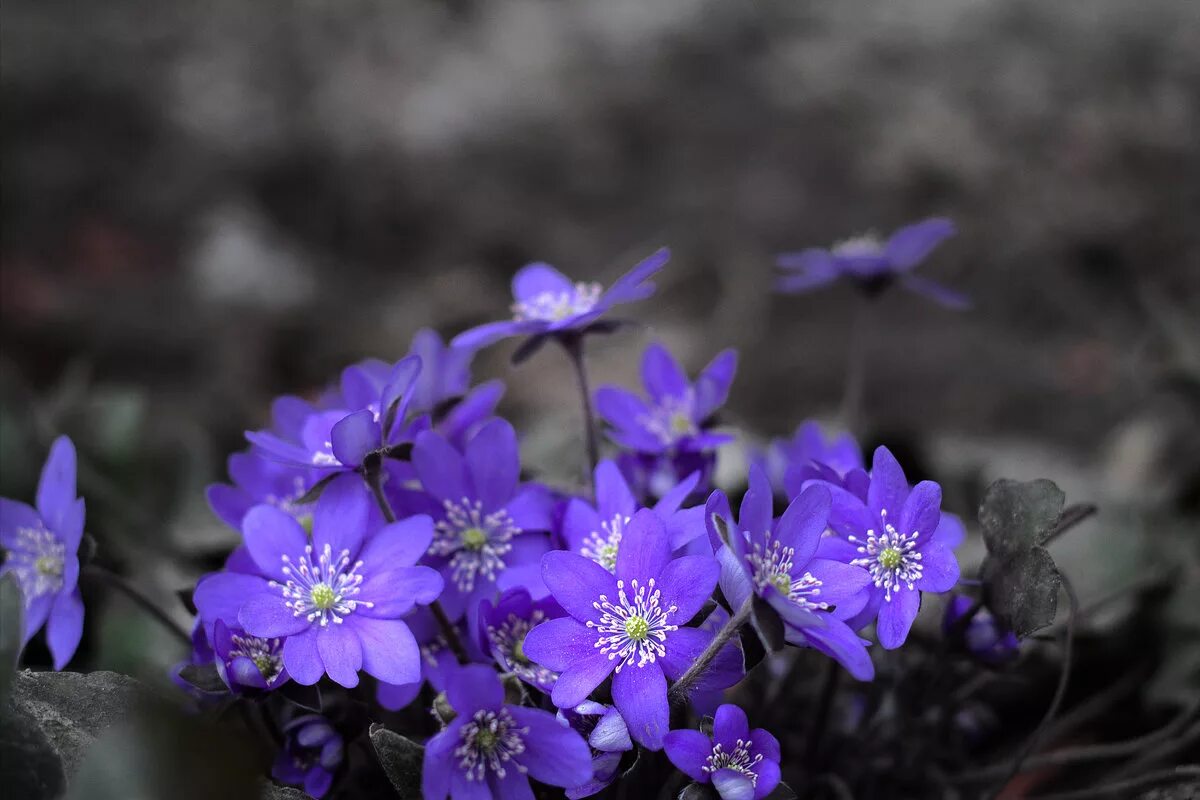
(474, 538)
(323, 596)
(891, 558)
(49, 566)
(637, 628)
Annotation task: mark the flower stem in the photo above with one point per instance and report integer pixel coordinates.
(573, 344)
(374, 477)
(114, 581)
(856, 366)
(696, 671)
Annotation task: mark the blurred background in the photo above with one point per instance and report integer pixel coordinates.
(206, 205)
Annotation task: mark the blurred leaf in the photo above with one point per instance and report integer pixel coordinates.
(314, 493)
(528, 348)
(1017, 516)
(12, 627)
(401, 759)
(1022, 591)
(204, 677)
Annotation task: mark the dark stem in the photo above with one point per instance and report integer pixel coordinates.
(824, 706)
(696, 671)
(1059, 692)
(374, 478)
(1071, 516)
(573, 344)
(115, 581)
(856, 366)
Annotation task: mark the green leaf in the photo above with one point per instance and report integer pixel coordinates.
(401, 759)
(1022, 591)
(12, 627)
(1017, 516)
(204, 677)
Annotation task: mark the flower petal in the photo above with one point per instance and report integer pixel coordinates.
(474, 687)
(440, 467)
(539, 278)
(270, 535)
(579, 679)
(940, 570)
(661, 374)
(389, 649)
(896, 617)
(804, 521)
(689, 750)
(729, 725)
(613, 495)
(645, 548)
(220, 596)
(640, 694)
(768, 777)
(266, 614)
(56, 489)
(634, 285)
(394, 592)
(889, 487)
(489, 333)
(732, 785)
(922, 510)
(354, 436)
(942, 295)
(909, 245)
(839, 581)
(577, 582)
(301, 658)
(15, 515)
(64, 628)
(554, 753)
(687, 583)
(340, 652)
(836, 640)
(340, 516)
(756, 514)
(712, 385)
(493, 464)
(399, 543)
(558, 643)
(439, 761)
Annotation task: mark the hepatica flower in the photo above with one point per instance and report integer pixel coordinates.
(247, 662)
(443, 388)
(337, 599)
(812, 455)
(595, 532)
(873, 264)
(546, 302)
(777, 560)
(492, 749)
(631, 624)
(312, 752)
(897, 535)
(676, 415)
(370, 415)
(41, 549)
(741, 764)
(503, 628)
(487, 524)
(607, 736)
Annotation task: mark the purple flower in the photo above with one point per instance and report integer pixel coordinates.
(740, 763)
(502, 629)
(247, 662)
(492, 749)
(631, 623)
(595, 531)
(486, 521)
(258, 480)
(437, 663)
(202, 653)
(810, 455)
(873, 264)
(337, 598)
(370, 415)
(607, 736)
(42, 551)
(652, 476)
(982, 637)
(312, 753)
(546, 302)
(777, 560)
(677, 416)
(897, 535)
(445, 378)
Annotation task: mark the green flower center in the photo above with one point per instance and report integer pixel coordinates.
(891, 558)
(485, 740)
(518, 651)
(474, 538)
(265, 664)
(681, 423)
(782, 583)
(323, 596)
(305, 521)
(49, 566)
(637, 628)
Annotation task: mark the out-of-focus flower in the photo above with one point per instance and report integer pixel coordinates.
(42, 547)
(873, 264)
(338, 597)
(631, 623)
(897, 535)
(492, 749)
(741, 764)
(547, 303)
(312, 752)
(502, 629)
(810, 455)
(488, 526)
(982, 637)
(677, 416)
(596, 531)
(248, 662)
(607, 736)
(443, 388)
(777, 560)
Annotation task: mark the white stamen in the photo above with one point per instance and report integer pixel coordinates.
(771, 565)
(890, 557)
(633, 629)
(602, 547)
(557, 306)
(475, 542)
(490, 741)
(738, 760)
(322, 590)
(38, 559)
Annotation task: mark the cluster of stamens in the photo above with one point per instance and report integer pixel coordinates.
(672, 420)
(738, 760)
(476, 542)
(867, 244)
(265, 653)
(557, 306)
(633, 629)
(38, 558)
(771, 565)
(890, 557)
(601, 546)
(509, 641)
(490, 741)
(325, 457)
(322, 590)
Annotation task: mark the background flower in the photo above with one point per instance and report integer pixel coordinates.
(740, 763)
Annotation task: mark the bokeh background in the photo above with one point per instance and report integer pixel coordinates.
(208, 204)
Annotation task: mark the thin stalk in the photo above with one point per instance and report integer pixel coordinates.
(115, 581)
(696, 671)
(573, 344)
(373, 476)
(856, 367)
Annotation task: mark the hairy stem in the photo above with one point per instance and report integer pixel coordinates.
(696, 671)
(114, 581)
(573, 344)
(856, 366)
(374, 477)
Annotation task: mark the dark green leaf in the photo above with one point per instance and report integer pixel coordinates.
(753, 650)
(204, 677)
(312, 494)
(12, 626)
(443, 408)
(528, 348)
(768, 624)
(1017, 516)
(1022, 591)
(401, 759)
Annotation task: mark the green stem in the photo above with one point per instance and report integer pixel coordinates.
(696, 671)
